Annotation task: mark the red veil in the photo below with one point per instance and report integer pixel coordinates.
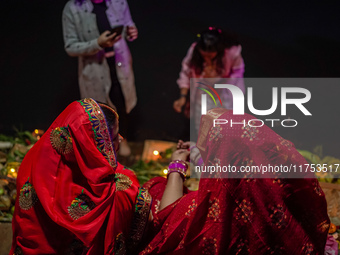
(241, 215)
(73, 195)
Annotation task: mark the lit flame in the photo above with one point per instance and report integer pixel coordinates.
(12, 170)
(155, 152)
(165, 171)
(36, 131)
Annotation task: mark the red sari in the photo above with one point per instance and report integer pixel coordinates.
(73, 195)
(244, 215)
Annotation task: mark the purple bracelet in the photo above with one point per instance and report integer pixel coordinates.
(192, 147)
(200, 162)
(178, 166)
(175, 165)
(181, 162)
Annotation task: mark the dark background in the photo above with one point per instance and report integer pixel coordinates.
(279, 39)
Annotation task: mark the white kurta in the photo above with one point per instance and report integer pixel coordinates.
(80, 37)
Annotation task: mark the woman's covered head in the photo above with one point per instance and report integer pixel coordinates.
(112, 120)
(111, 116)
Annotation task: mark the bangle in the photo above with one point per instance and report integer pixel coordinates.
(178, 166)
(192, 147)
(182, 95)
(183, 174)
(200, 162)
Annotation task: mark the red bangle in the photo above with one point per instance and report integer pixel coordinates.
(182, 174)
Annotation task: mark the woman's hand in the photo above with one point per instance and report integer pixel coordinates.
(185, 145)
(195, 154)
(178, 104)
(106, 40)
(181, 154)
(174, 186)
(132, 33)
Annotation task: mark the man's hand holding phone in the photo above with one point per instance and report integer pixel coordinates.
(118, 30)
(108, 39)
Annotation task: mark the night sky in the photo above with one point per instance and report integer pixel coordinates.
(279, 39)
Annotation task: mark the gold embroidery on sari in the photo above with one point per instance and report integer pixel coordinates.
(214, 209)
(191, 207)
(243, 212)
(100, 130)
(278, 181)
(141, 215)
(157, 204)
(80, 206)
(249, 176)
(147, 250)
(209, 246)
(123, 182)
(323, 226)
(180, 245)
(120, 245)
(276, 250)
(28, 197)
(285, 143)
(278, 216)
(308, 249)
(215, 133)
(61, 140)
(206, 124)
(250, 132)
(242, 247)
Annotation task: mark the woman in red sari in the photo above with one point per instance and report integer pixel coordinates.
(239, 215)
(73, 195)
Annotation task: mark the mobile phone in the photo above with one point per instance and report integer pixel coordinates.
(118, 30)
